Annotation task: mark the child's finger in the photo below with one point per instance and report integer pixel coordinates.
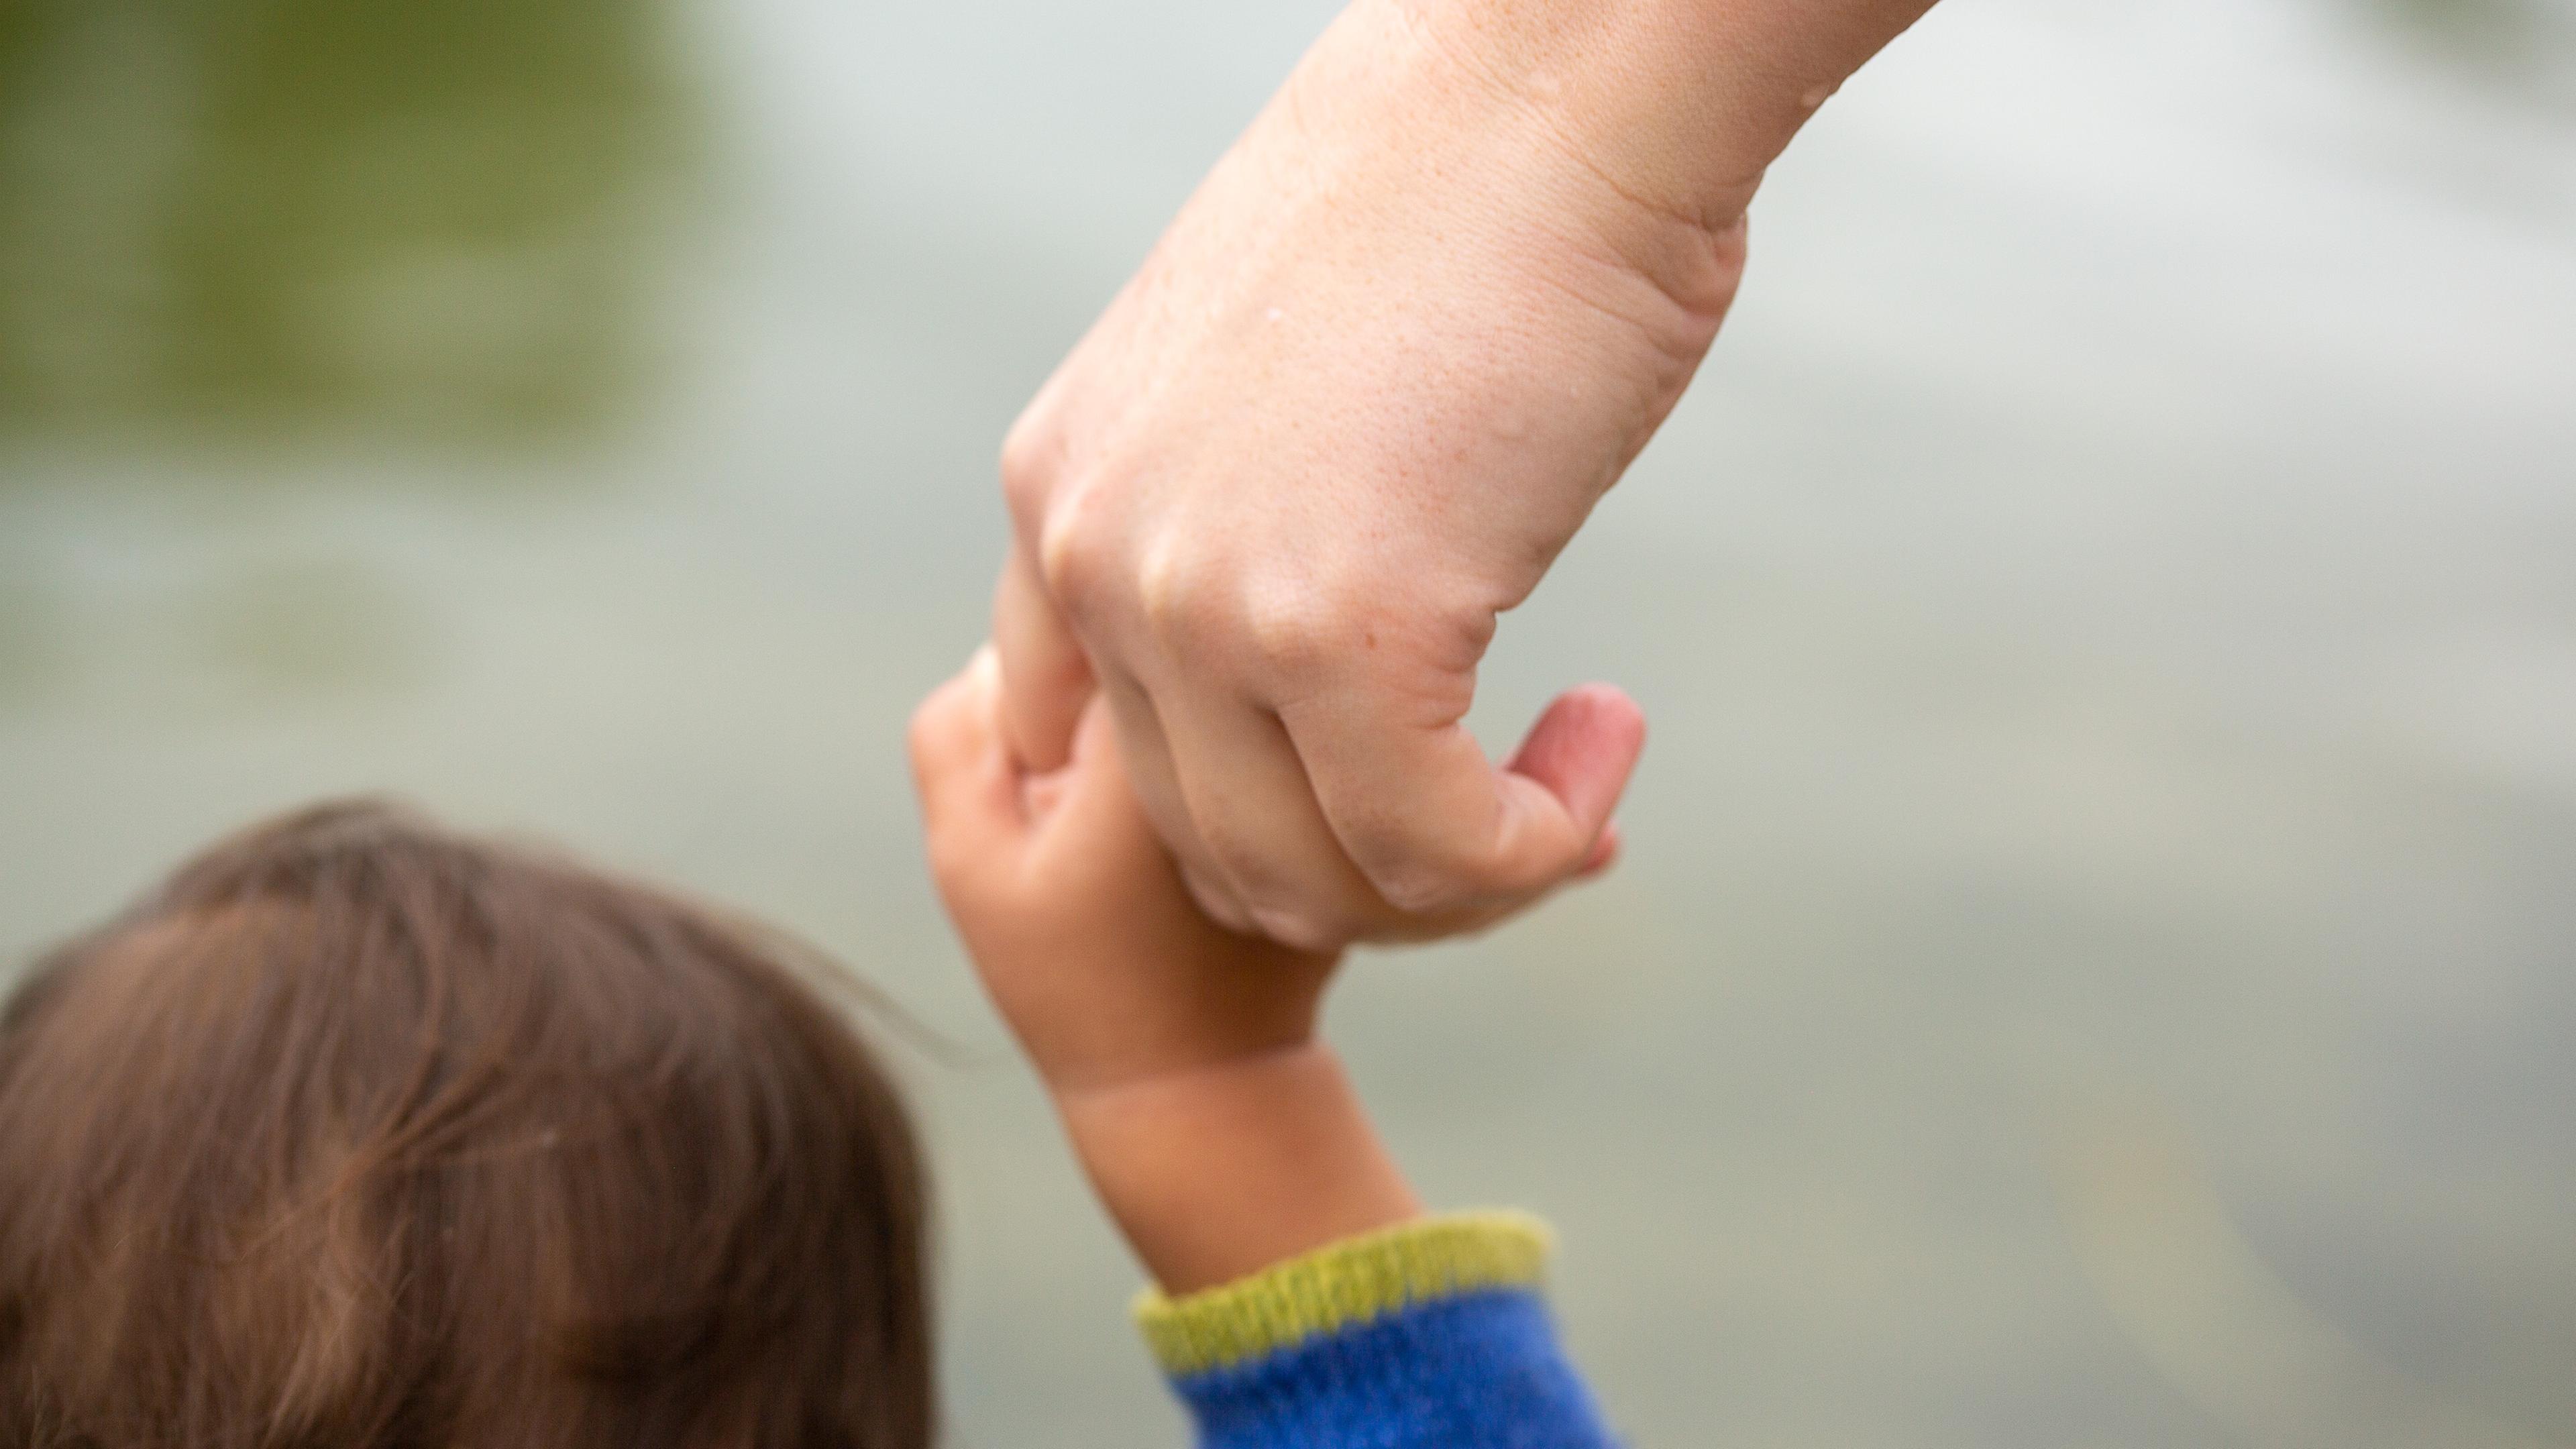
(969, 793)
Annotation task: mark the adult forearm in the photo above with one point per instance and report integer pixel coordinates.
(1681, 103)
(1629, 116)
(1376, 375)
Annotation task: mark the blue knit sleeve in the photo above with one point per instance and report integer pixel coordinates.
(1429, 1336)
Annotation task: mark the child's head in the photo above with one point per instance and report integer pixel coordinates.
(358, 1133)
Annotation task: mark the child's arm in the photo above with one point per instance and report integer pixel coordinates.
(1305, 1297)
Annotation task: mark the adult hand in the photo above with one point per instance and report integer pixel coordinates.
(1374, 378)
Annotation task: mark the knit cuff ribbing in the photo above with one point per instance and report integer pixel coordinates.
(1352, 1282)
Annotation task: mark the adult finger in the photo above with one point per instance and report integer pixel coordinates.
(1100, 806)
(1604, 855)
(1436, 827)
(1145, 753)
(1046, 679)
(1575, 744)
(1257, 818)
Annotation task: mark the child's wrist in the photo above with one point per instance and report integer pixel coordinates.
(1146, 1060)
(1216, 1172)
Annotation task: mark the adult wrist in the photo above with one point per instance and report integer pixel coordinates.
(1590, 133)
(1678, 105)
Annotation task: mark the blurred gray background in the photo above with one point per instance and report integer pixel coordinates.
(2093, 965)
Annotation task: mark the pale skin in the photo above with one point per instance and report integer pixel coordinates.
(1371, 382)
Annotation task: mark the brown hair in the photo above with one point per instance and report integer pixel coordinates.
(359, 1133)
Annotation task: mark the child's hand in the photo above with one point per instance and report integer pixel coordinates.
(1182, 1057)
(1077, 921)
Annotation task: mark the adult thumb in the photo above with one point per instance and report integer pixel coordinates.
(1582, 751)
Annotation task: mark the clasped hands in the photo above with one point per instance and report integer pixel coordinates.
(1374, 378)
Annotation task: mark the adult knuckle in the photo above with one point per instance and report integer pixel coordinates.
(1296, 630)
(1421, 890)
(1415, 877)
(1172, 590)
(1287, 630)
(1076, 555)
(1032, 460)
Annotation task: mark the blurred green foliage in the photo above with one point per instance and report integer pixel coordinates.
(280, 216)
(430, 218)
(2500, 35)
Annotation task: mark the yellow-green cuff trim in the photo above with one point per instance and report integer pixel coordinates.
(1350, 1282)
